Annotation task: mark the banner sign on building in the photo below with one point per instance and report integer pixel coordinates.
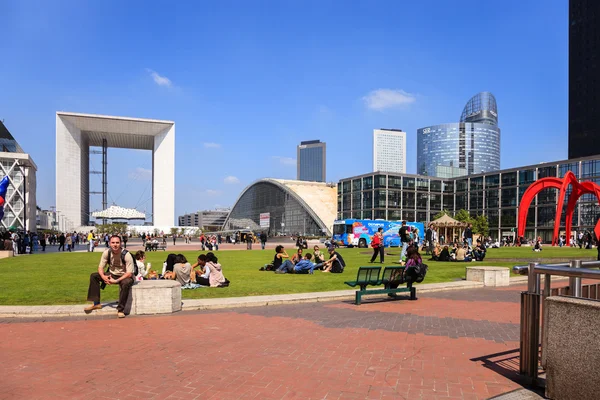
(265, 220)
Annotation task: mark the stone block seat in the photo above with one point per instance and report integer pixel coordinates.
(154, 297)
(490, 276)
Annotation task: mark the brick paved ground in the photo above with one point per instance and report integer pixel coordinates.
(447, 345)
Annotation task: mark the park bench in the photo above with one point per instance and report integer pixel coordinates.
(154, 247)
(370, 276)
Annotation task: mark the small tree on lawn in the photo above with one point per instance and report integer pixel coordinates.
(462, 216)
(481, 225)
(174, 231)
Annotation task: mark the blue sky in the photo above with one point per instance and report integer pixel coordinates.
(246, 81)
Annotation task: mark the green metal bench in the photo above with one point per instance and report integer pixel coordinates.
(370, 276)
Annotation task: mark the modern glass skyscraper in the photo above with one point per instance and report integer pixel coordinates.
(584, 77)
(471, 146)
(311, 161)
(389, 150)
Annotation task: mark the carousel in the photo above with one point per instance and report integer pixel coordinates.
(447, 225)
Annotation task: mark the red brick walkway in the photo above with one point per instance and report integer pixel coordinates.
(446, 345)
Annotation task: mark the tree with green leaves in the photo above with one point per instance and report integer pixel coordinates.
(481, 225)
(462, 216)
(174, 231)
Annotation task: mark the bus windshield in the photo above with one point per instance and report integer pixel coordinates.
(339, 229)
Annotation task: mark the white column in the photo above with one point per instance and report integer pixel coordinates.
(69, 142)
(163, 179)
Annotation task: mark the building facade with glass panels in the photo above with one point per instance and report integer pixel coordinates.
(470, 146)
(494, 194)
(312, 161)
(293, 207)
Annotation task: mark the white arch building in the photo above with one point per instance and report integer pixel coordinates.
(75, 133)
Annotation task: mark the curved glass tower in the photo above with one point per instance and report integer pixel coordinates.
(470, 146)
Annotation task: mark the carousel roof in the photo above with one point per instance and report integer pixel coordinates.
(446, 220)
(116, 212)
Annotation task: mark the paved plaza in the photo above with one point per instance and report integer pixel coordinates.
(459, 344)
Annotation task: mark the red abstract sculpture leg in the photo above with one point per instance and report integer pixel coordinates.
(528, 197)
(572, 203)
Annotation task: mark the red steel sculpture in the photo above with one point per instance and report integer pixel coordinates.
(579, 189)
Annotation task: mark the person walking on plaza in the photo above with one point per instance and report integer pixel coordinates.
(61, 242)
(43, 241)
(263, 239)
(91, 241)
(404, 234)
(429, 239)
(377, 245)
(120, 272)
(174, 239)
(125, 239)
(468, 235)
(69, 242)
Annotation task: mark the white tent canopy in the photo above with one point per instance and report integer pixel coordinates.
(116, 212)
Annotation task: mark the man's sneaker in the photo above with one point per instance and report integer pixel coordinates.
(92, 307)
(120, 314)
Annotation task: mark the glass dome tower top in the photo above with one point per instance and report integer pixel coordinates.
(481, 108)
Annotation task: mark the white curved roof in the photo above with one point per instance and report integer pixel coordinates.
(116, 212)
(319, 198)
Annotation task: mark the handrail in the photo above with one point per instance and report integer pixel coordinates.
(524, 269)
(567, 271)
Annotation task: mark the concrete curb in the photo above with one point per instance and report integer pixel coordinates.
(227, 302)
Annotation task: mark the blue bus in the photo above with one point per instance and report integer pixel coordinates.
(358, 232)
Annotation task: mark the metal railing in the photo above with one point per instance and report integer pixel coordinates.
(534, 297)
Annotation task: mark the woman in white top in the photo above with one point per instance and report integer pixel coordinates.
(140, 258)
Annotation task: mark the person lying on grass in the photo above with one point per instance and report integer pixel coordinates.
(304, 266)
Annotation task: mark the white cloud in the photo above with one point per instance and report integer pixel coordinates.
(140, 174)
(160, 80)
(212, 192)
(212, 145)
(286, 160)
(381, 99)
(231, 180)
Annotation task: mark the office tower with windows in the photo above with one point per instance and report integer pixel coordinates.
(311, 161)
(584, 78)
(471, 146)
(389, 150)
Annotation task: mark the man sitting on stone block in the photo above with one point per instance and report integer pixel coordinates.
(120, 272)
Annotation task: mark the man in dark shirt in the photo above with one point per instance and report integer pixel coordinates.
(468, 235)
(263, 239)
(405, 238)
(335, 264)
(429, 239)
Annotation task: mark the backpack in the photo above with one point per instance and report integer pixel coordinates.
(123, 254)
(415, 273)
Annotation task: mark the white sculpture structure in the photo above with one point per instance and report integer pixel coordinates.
(75, 133)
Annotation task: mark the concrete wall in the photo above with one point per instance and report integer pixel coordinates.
(69, 143)
(573, 356)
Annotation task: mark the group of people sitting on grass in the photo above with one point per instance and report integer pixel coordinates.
(177, 267)
(119, 267)
(459, 252)
(307, 263)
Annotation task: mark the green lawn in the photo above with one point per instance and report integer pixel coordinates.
(42, 279)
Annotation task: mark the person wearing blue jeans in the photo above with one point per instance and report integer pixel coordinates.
(468, 235)
(287, 267)
(404, 234)
(305, 266)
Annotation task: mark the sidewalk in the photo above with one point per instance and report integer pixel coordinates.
(219, 303)
(449, 344)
